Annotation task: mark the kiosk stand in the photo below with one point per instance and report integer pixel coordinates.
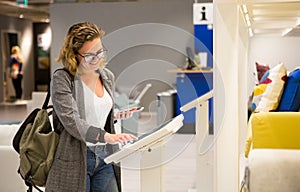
(204, 170)
(147, 155)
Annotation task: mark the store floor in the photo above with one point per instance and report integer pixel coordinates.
(179, 165)
(12, 112)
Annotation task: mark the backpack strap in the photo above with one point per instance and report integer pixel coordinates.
(56, 121)
(46, 102)
(45, 105)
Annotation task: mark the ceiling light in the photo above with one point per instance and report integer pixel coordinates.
(247, 20)
(250, 32)
(247, 17)
(245, 10)
(248, 23)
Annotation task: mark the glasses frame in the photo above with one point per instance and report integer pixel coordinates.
(93, 56)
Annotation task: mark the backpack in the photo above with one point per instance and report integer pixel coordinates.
(36, 143)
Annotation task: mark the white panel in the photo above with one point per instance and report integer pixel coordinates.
(226, 89)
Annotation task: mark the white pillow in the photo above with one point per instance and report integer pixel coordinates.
(275, 84)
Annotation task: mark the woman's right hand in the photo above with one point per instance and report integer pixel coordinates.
(122, 138)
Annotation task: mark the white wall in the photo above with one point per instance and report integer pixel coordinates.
(230, 80)
(271, 51)
(242, 74)
(152, 35)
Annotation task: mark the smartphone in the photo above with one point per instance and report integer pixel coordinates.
(136, 109)
(122, 114)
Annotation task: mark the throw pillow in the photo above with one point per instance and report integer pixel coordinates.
(261, 70)
(274, 87)
(264, 77)
(290, 100)
(257, 94)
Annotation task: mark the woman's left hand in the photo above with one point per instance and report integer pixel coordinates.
(123, 114)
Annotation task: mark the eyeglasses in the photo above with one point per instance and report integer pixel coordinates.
(93, 58)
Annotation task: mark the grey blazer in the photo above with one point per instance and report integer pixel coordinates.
(68, 171)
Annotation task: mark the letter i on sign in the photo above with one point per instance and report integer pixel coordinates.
(203, 13)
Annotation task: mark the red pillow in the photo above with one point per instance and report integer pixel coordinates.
(261, 70)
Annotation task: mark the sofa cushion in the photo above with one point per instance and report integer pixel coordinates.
(274, 170)
(274, 87)
(290, 100)
(248, 144)
(276, 130)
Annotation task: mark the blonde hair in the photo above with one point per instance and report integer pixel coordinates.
(77, 35)
(15, 49)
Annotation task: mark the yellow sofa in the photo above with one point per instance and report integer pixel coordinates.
(273, 152)
(275, 130)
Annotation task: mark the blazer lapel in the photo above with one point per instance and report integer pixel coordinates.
(106, 82)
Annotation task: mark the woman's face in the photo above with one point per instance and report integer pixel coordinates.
(92, 55)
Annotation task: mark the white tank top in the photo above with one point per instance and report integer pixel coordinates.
(96, 108)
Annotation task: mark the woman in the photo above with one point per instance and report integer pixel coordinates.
(83, 112)
(16, 73)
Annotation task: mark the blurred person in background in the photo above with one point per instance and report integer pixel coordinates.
(16, 72)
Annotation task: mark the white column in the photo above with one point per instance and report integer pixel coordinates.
(226, 95)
